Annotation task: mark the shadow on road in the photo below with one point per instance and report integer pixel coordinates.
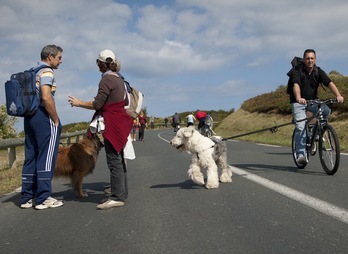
(188, 184)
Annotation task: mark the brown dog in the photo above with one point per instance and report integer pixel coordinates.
(78, 160)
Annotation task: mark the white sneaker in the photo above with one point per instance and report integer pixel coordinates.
(110, 204)
(49, 203)
(301, 159)
(29, 204)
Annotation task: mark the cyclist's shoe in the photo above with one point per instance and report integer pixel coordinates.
(313, 148)
(301, 159)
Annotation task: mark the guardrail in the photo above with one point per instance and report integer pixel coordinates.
(12, 143)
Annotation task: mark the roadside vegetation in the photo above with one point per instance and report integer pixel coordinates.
(261, 112)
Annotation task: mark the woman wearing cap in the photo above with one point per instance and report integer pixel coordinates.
(118, 124)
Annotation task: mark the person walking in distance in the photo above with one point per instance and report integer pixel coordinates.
(135, 129)
(142, 125)
(152, 122)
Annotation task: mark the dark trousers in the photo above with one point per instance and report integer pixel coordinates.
(118, 173)
(142, 131)
(201, 122)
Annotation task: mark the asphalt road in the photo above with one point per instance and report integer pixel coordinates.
(270, 207)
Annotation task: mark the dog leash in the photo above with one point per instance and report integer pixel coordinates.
(273, 129)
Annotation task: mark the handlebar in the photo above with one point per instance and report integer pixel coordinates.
(320, 102)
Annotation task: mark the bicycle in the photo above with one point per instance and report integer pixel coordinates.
(207, 128)
(321, 137)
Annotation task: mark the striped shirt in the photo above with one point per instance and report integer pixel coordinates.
(45, 77)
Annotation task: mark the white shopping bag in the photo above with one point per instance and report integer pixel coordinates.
(128, 151)
(97, 125)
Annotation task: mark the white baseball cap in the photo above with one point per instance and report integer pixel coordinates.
(105, 54)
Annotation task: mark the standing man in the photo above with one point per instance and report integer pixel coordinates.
(304, 82)
(42, 134)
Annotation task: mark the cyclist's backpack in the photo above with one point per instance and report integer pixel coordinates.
(21, 95)
(296, 64)
(135, 99)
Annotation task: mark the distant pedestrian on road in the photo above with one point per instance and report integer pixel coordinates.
(152, 122)
(142, 125)
(135, 129)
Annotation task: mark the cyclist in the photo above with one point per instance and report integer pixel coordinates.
(176, 122)
(190, 119)
(304, 82)
(200, 115)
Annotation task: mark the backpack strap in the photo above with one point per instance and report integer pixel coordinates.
(36, 69)
(127, 86)
(316, 77)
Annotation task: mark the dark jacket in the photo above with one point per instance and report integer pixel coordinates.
(309, 83)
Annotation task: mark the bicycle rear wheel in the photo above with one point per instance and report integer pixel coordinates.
(294, 155)
(329, 150)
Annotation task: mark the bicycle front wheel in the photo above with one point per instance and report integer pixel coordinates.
(329, 150)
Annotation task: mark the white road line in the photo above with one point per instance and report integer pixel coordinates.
(159, 135)
(260, 144)
(315, 203)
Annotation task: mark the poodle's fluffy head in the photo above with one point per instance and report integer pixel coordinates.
(189, 139)
(182, 138)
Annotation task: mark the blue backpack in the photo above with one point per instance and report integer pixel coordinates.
(21, 96)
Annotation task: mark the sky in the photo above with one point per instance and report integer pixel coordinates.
(183, 55)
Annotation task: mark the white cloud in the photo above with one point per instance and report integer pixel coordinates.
(197, 51)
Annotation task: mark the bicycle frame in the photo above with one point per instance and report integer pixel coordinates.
(320, 136)
(314, 130)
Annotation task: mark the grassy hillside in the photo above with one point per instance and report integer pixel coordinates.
(271, 109)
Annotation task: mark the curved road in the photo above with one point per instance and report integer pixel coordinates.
(270, 207)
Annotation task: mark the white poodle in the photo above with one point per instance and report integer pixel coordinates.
(209, 153)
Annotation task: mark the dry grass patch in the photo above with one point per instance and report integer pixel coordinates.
(10, 179)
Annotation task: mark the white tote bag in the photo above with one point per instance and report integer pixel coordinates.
(97, 125)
